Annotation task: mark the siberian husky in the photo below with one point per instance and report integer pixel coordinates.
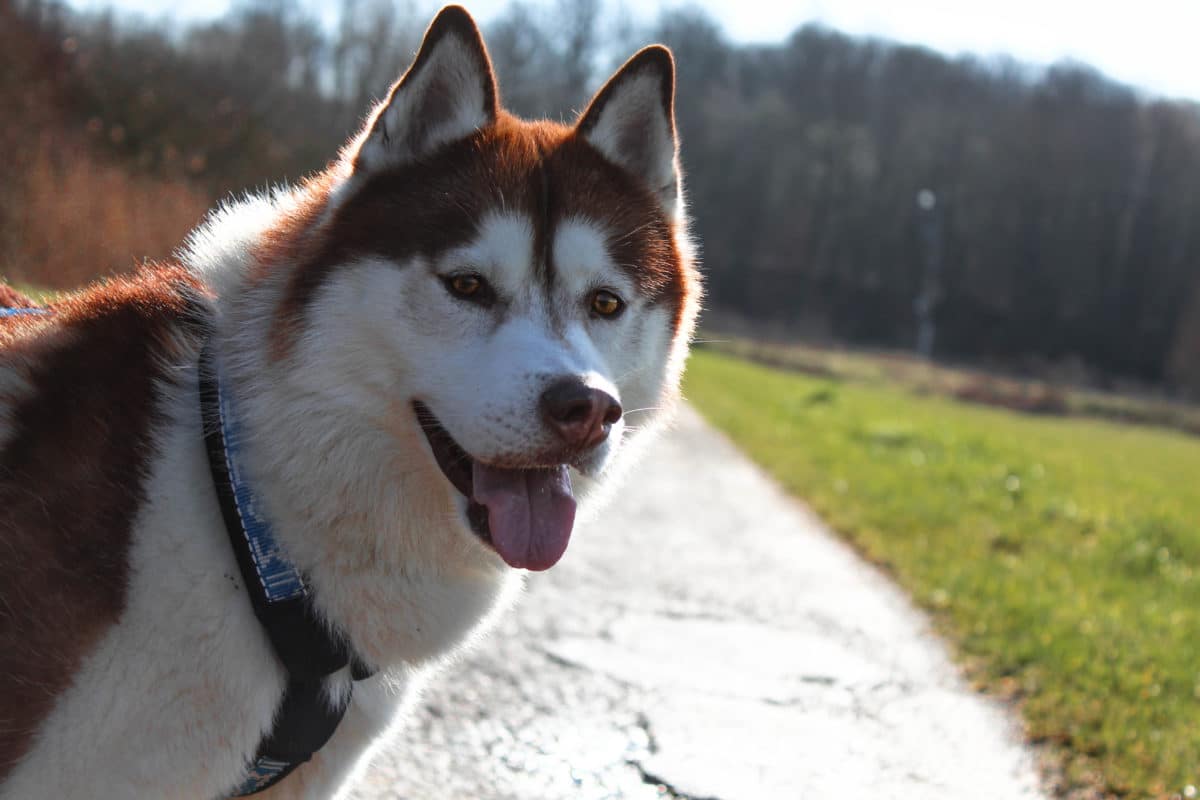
(431, 350)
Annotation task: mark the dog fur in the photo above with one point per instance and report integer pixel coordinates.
(131, 663)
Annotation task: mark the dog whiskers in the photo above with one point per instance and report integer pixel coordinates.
(642, 410)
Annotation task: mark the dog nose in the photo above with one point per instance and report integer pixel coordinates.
(579, 414)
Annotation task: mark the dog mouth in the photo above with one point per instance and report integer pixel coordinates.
(524, 514)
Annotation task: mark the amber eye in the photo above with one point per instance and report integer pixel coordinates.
(470, 287)
(465, 285)
(606, 304)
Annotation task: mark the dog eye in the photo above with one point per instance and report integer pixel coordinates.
(606, 304)
(465, 285)
(469, 286)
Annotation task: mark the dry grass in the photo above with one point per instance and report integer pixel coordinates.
(75, 217)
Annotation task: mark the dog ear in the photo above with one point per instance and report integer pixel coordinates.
(632, 121)
(448, 93)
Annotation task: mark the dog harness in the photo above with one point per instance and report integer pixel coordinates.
(281, 598)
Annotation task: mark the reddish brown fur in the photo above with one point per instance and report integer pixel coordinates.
(11, 298)
(640, 241)
(71, 478)
(429, 204)
(542, 169)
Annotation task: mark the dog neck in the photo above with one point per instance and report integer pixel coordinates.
(355, 501)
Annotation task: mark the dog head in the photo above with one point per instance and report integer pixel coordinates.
(520, 293)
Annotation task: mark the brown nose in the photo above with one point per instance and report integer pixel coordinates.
(580, 415)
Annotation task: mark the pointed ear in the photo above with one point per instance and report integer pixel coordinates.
(632, 121)
(447, 94)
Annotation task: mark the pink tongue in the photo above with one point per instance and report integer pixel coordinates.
(530, 513)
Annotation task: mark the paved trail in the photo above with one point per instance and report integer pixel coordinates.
(708, 640)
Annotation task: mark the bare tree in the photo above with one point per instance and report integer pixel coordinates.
(375, 40)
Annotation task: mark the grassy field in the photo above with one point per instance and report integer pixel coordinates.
(904, 369)
(1061, 554)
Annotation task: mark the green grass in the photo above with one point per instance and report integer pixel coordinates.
(36, 293)
(1061, 555)
(902, 368)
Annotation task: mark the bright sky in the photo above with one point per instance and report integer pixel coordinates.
(1149, 43)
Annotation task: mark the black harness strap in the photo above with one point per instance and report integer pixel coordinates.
(309, 652)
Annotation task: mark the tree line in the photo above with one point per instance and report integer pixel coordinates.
(847, 188)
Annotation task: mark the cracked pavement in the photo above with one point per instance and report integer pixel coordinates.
(705, 639)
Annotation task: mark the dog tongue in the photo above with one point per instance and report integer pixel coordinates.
(530, 513)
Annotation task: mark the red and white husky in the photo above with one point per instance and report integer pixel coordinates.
(424, 342)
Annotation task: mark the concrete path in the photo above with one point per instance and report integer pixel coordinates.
(707, 639)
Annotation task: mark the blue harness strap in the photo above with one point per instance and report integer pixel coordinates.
(280, 581)
(281, 599)
(264, 773)
(21, 312)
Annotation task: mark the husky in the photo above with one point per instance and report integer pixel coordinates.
(428, 354)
